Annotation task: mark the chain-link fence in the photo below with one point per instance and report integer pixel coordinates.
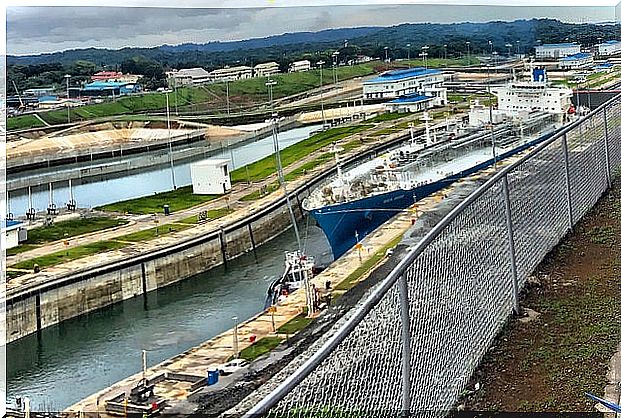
(414, 343)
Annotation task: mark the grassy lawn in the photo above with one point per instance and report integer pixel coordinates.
(20, 249)
(211, 214)
(262, 346)
(258, 194)
(294, 325)
(24, 122)
(69, 254)
(365, 267)
(209, 97)
(263, 168)
(179, 199)
(153, 233)
(71, 228)
(386, 117)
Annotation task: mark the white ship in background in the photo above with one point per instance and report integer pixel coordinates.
(356, 202)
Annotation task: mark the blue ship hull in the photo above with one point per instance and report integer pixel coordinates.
(346, 223)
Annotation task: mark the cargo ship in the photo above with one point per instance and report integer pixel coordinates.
(356, 202)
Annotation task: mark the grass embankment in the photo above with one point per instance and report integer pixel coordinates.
(546, 365)
(351, 280)
(260, 347)
(204, 98)
(81, 251)
(177, 200)
(65, 230)
(295, 324)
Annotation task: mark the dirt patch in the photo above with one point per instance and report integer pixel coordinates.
(548, 363)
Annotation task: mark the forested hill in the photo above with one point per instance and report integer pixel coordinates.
(175, 54)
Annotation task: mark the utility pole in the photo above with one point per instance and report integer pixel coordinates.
(323, 116)
(491, 118)
(409, 64)
(468, 47)
(335, 63)
(67, 77)
(170, 155)
(228, 103)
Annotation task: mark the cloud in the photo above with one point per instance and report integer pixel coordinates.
(35, 29)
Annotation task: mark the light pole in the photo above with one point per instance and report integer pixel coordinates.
(335, 63)
(281, 177)
(445, 51)
(468, 48)
(491, 47)
(228, 103)
(175, 87)
(235, 338)
(67, 77)
(517, 46)
(508, 49)
(491, 119)
(409, 64)
(424, 55)
(323, 116)
(386, 54)
(170, 156)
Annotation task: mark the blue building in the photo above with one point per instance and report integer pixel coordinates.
(110, 88)
(576, 61)
(412, 81)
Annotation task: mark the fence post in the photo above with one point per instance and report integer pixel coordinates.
(514, 275)
(607, 150)
(406, 349)
(570, 210)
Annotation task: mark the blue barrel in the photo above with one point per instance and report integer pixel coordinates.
(212, 377)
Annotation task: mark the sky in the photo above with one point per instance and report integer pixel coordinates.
(35, 29)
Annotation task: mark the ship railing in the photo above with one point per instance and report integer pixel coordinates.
(415, 339)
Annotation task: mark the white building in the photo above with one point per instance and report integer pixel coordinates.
(556, 51)
(210, 177)
(266, 69)
(608, 48)
(297, 66)
(576, 61)
(519, 96)
(188, 77)
(14, 233)
(409, 103)
(232, 73)
(398, 83)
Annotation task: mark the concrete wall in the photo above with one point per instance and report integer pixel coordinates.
(27, 313)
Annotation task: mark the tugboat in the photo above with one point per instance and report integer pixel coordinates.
(299, 268)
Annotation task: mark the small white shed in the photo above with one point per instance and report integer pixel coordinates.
(211, 177)
(14, 233)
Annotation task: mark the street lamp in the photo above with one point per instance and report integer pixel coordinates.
(468, 47)
(491, 47)
(170, 156)
(228, 103)
(409, 64)
(491, 118)
(518, 48)
(323, 116)
(67, 77)
(235, 338)
(175, 87)
(386, 54)
(424, 55)
(445, 47)
(335, 62)
(508, 45)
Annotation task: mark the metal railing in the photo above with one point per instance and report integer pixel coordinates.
(414, 342)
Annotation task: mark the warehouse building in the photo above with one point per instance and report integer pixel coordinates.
(232, 73)
(398, 83)
(555, 51)
(266, 69)
(608, 48)
(188, 77)
(576, 61)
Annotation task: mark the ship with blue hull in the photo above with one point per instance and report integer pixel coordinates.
(344, 224)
